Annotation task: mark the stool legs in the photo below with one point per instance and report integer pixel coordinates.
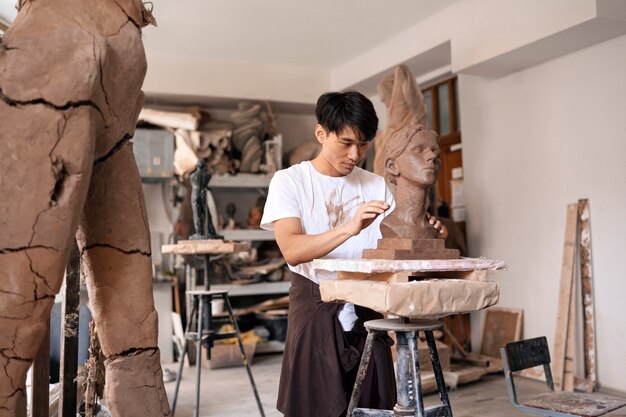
(243, 356)
(441, 384)
(360, 377)
(181, 361)
(410, 402)
(200, 322)
(203, 335)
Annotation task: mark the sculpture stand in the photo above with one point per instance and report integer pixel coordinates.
(381, 284)
(409, 396)
(202, 313)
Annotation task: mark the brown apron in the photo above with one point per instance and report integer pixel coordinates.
(321, 360)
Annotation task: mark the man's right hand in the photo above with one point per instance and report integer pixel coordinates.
(298, 247)
(366, 214)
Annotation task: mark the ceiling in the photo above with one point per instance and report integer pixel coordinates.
(296, 33)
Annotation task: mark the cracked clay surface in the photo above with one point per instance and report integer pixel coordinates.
(70, 92)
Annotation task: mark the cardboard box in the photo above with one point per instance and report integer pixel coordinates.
(226, 355)
(427, 299)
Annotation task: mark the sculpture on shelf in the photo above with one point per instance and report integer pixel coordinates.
(405, 107)
(231, 210)
(70, 74)
(202, 219)
(256, 213)
(411, 169)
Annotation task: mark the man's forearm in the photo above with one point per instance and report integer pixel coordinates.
(300, 248)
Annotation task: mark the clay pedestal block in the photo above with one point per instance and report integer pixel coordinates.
(397, 248)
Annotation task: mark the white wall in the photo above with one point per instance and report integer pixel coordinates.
(535, 141)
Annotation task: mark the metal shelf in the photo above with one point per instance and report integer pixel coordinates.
(247, 234)
(261, 288)
(241, 180)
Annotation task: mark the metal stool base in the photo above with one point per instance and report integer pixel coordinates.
(409, 384)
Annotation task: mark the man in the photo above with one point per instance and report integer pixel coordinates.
(329, 208)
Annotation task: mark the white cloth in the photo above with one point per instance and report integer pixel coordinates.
(322, 202)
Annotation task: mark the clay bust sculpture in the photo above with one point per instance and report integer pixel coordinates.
(411, 168)
(70, 74)
(405, 107)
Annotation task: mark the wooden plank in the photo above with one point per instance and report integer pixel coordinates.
(502, 326)
(460, 327)
(460, 375)
(565, 292)
(586, 277)
(69, 336)
(205, 247)
(40, 398)
(570, 337)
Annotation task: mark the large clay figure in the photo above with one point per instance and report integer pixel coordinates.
(405, 107)
(70, 92)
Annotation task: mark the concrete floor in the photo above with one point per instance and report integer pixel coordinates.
(227, 393)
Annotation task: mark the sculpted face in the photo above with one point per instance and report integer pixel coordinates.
(419, 162)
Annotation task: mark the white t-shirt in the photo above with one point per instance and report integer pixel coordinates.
(322, 202)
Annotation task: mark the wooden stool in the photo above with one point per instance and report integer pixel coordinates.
(409, 400)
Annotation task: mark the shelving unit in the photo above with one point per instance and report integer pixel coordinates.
(241, 180)
(250, 183)
(248, 234)
(261, 288)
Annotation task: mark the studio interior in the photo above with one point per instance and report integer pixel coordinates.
(312, 209)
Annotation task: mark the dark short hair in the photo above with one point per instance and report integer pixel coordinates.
(337, 110)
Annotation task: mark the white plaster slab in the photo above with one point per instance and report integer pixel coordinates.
(370, 266)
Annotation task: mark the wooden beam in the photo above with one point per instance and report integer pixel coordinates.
(565, 293)
(69, 336)
(586, 277)
(455, 342)
(40, 398)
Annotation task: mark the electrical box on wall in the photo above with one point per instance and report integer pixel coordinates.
(154, 153)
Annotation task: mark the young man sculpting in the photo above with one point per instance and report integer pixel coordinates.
(329, 208)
